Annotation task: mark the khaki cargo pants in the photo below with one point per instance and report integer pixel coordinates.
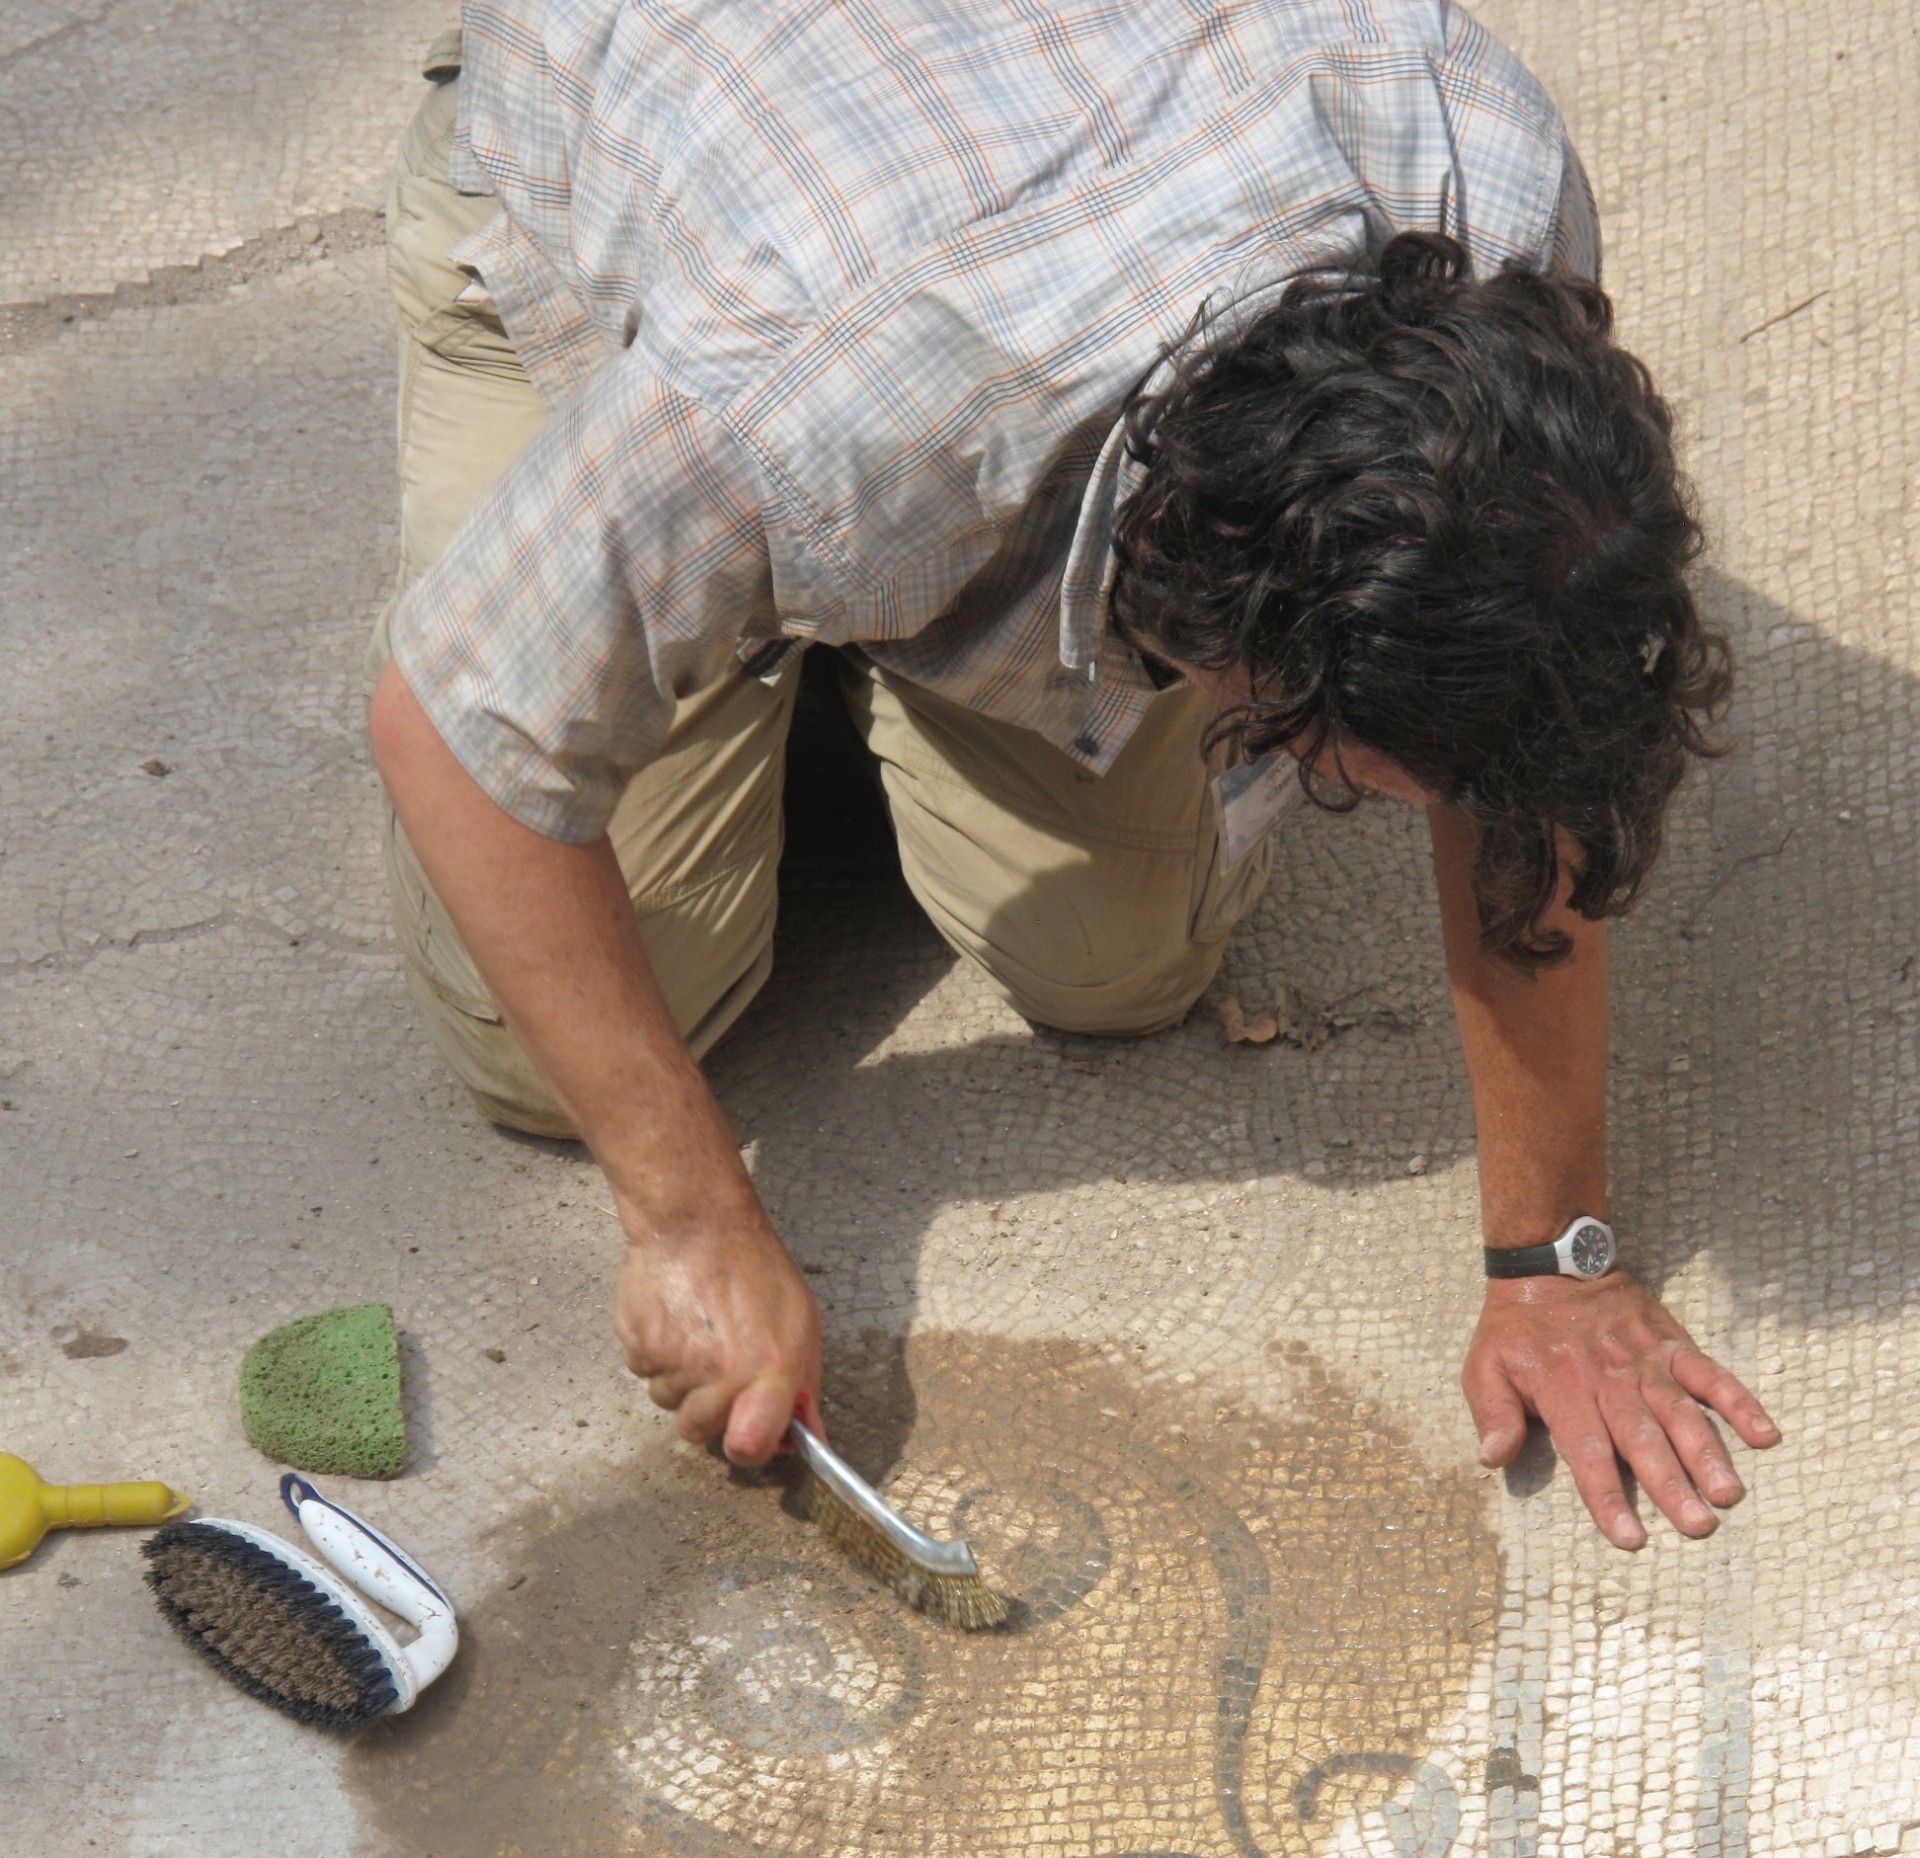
(1093, 904)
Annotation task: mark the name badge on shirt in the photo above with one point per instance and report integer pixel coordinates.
(1253, 799)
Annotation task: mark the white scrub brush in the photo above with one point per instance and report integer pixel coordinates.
(285, 1629)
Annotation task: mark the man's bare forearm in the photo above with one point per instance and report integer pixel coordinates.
(552, 931)
(709, 1307)
(1536, 1051)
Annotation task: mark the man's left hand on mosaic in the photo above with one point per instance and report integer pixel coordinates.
(710, 1307)
(1615, 1379)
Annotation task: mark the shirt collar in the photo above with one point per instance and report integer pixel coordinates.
(1088, 582)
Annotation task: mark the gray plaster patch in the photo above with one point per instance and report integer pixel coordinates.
(143, 134)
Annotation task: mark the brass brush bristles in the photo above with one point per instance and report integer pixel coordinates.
(939, 1578)
(963, 1600)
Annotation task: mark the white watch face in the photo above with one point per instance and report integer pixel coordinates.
(1591, 1249)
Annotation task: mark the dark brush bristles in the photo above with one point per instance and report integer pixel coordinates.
(962, 1600)
(266, 1626)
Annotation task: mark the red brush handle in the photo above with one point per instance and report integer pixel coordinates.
(803, 1412)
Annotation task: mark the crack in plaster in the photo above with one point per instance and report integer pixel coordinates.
(25, 327)
(69, 960)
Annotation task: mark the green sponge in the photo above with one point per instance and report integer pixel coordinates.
(323, 1393)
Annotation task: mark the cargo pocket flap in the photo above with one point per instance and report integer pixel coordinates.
(442, 60)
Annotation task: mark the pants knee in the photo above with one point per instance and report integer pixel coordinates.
(1128, 1005)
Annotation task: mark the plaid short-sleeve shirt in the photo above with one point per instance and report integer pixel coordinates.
(837, 306)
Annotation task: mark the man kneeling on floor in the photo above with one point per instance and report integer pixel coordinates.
(1118, 395)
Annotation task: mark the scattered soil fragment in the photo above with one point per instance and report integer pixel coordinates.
(91, 1345)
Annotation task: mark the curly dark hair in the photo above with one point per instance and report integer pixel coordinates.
(1439, 517)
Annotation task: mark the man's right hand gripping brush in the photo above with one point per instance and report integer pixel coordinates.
(725, 1331)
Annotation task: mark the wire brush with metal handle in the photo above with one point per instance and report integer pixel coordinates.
(939, 1578)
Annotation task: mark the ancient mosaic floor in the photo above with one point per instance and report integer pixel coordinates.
(1170, 1328)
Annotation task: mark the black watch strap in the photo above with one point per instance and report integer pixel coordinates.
(1523, 1260)
(1586, 1250)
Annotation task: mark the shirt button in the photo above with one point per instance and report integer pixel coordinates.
(1088, 745)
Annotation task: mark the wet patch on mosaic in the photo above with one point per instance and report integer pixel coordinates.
(1235, 1627)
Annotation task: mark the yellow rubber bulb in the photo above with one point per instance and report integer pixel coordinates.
(29, 1508)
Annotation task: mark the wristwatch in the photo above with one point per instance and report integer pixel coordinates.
(1587, 1249)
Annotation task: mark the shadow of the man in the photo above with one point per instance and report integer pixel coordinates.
(1763, 1063)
